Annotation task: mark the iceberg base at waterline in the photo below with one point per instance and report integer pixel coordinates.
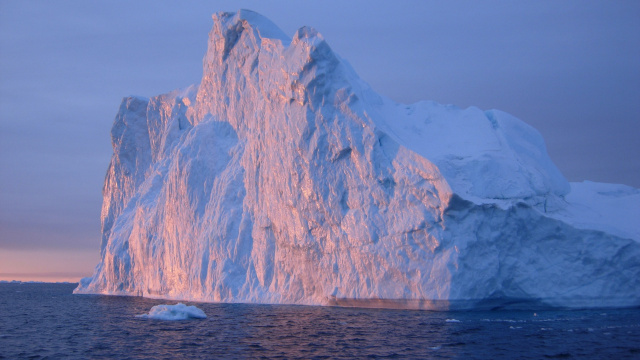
(283, 178)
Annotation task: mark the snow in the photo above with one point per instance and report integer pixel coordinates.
(485, 156)
(284, 178)
(611, 208)
(178, 311)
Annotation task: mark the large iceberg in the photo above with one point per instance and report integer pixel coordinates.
(284, 178)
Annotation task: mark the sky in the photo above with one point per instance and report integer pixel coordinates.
(568, 68)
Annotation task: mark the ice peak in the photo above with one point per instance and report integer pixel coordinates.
(232, 24)
(247, 49)
(313, 42)
(228, 28)
(307, 32)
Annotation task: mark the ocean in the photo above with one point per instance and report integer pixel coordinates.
(46, 321)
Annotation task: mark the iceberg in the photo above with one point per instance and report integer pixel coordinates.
(284, 178)
(178, 311)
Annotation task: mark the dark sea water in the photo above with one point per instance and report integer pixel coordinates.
(46, 321)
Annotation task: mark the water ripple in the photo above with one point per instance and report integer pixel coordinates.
(46, 321)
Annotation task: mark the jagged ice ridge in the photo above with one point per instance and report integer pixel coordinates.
(284, 178)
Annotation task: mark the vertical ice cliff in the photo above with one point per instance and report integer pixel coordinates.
(283, 178)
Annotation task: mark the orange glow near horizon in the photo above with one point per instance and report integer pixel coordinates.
(46, 265)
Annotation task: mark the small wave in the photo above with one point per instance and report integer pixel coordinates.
(504, 320)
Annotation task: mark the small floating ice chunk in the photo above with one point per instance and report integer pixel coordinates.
(179, 311)
(452, 320)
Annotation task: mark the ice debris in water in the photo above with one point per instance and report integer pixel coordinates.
(179, 311)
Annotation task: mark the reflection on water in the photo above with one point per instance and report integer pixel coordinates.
(46, 320)
(411, 304)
